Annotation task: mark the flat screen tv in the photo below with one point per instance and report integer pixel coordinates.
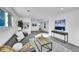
(2, 18)
(60, 25)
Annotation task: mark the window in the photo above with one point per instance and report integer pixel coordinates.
(5, 19)
(2, 18)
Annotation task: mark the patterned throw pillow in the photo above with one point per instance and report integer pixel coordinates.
(6, 49)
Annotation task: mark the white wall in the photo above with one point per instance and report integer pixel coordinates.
(7, 32)
(47, 26)
(51, 25)
(35, 28)
(72, 26)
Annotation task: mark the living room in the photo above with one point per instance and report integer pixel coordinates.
(26, 24)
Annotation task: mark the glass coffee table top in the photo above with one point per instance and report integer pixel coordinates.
(43, 41)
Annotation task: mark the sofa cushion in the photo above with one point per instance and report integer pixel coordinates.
(17, 46)
(20, 35)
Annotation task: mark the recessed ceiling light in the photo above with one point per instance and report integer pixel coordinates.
(28, 10)
(61, 8)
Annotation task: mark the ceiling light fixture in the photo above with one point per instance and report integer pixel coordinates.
(61, 8)
(28, 10)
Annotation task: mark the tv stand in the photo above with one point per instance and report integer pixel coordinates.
(61, 33)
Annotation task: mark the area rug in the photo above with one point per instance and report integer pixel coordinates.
(55, 47)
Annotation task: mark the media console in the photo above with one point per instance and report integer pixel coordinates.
(61, 33)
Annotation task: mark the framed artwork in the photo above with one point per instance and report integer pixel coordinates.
(60, 24)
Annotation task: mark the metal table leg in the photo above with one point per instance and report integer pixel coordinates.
(67, 38)
(64, 38)
(41, 48)
(51, 46)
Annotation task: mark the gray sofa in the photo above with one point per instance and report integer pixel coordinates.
(25, 40)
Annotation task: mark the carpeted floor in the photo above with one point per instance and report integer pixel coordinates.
(58, 45)
(55, 47)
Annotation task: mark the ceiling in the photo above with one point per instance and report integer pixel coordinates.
(41, 12)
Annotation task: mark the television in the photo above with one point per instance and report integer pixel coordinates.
(60, 24)
(2, 18)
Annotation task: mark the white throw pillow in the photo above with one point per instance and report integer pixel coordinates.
(20, 35)
(39, 35)
(17, 46)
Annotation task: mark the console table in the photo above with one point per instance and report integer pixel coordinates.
(61, 33)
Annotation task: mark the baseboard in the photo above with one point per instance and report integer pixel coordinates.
(66, 42)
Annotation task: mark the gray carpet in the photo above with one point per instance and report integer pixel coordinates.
(59, 45)
(55, 47)
(69, 46)
(58, 41)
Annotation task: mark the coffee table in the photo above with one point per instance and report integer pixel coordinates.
(46, 43)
